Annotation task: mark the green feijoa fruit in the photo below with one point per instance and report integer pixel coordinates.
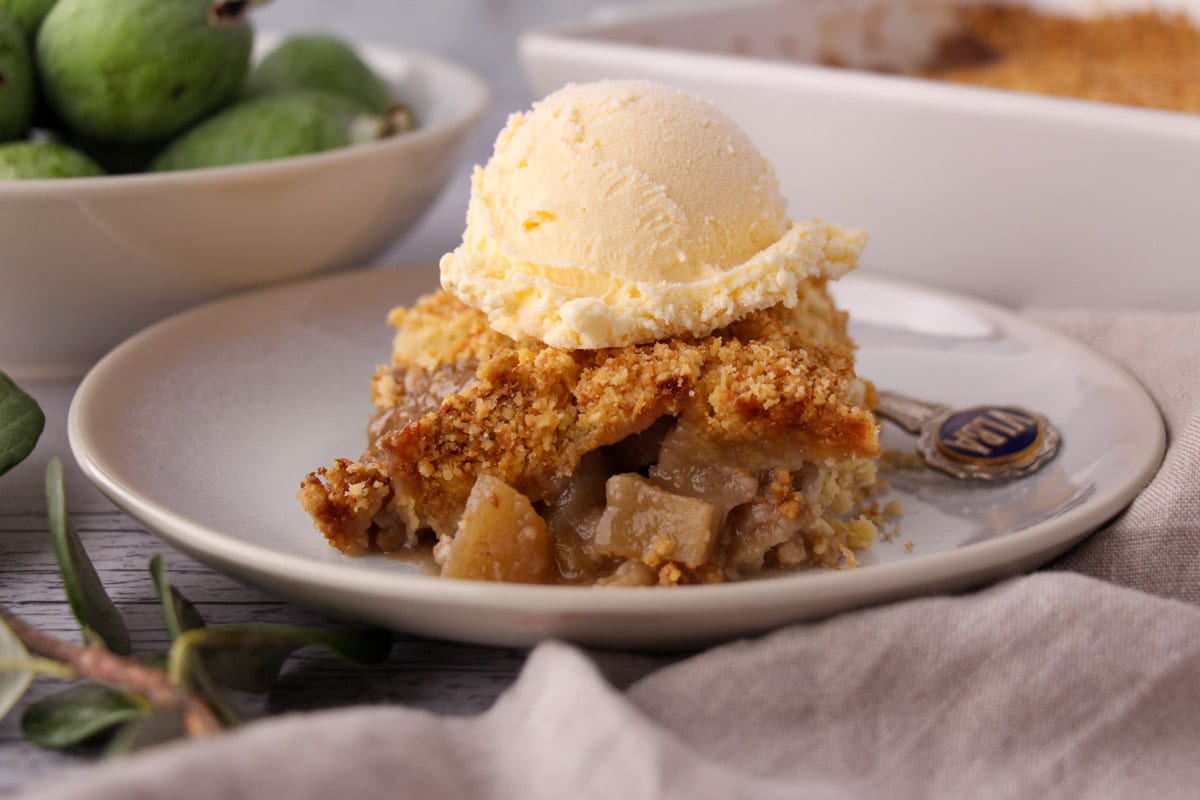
(139, 71)
(16, 81)
(27, 13)
(271, 127)
(321, 63)
(33, 160)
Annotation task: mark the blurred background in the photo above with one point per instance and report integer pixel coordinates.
(481, 34)
(1004, 195)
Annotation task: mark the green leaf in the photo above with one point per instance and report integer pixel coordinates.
(91, 605)
(77, 714)
(198, 678)
(161, 725)
(248, 657)
(21, 424)
(179, 614)
(13, 683)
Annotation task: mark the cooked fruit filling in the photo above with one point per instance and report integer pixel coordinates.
(689, 460)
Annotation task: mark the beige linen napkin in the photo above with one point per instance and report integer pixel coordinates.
(1155, 545)
(1051, 685)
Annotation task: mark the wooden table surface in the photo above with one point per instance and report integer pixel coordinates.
(443, 677)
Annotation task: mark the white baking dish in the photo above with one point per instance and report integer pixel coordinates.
(1019, 198)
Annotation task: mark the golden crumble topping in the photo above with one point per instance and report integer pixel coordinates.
(772, 395)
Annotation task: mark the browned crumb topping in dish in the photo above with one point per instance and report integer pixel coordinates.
(1147, 58)
(688, 460)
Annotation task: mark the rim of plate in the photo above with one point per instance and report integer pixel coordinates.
(215, 547)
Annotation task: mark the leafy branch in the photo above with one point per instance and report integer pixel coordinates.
(136, 701)
(21, 424)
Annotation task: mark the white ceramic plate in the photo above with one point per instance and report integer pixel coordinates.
(203, 426)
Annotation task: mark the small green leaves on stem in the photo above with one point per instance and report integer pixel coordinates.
(143, 701)
(13, 681)
(75, 715)
(179, 615)
(97, 615)
(243, 657)
(21, 424)
(248, 657)
(37, 666)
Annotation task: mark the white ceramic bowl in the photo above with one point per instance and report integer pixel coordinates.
(86, 262)
(1018, 198)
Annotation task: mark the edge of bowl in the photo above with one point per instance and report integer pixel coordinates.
(582, 43)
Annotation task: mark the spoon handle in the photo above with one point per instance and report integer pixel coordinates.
(907, 412)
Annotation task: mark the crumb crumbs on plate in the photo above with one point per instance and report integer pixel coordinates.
(894, 460)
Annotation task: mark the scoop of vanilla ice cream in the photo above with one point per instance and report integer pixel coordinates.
(621, 212)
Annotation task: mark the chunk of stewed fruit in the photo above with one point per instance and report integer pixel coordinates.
(645, 522)
(500, 538)
(571, 518)
(692, 466)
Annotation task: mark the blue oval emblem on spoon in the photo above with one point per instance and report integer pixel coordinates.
(989, 435)
(985, 443)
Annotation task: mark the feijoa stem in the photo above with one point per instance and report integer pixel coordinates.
(103, 666)
(231, 12)
(399, 118)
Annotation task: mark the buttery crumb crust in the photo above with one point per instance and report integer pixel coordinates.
(460, 400)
